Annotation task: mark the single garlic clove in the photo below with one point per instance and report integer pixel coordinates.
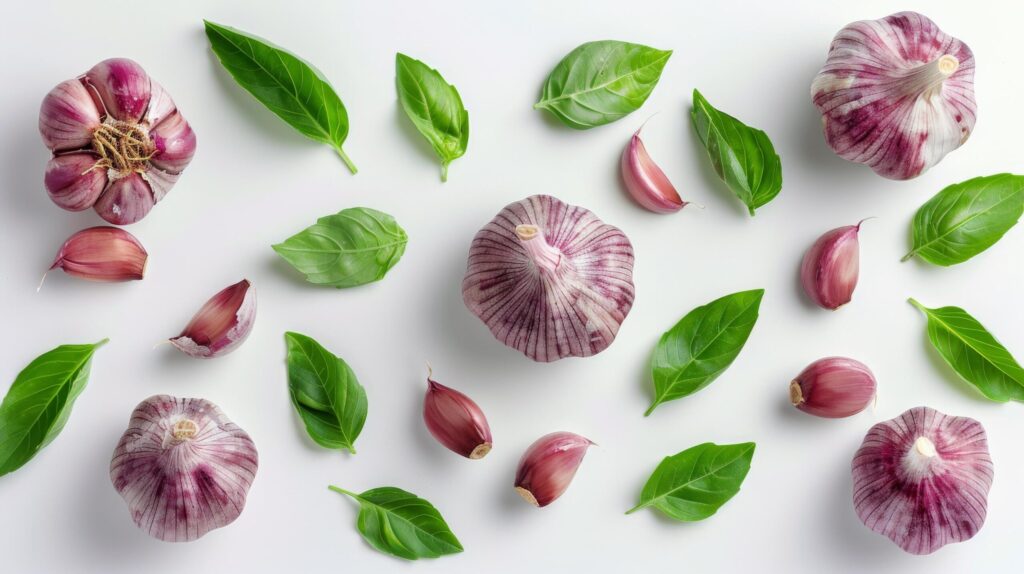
(833, 387)
(126, 200)
(123, 88)
(456, 421)
(161, 106)
(74, 181)
(896, 94)
(831, 267)
(175, 144)
(645, 181)
(102, 254)
(549, 465)
(183, 468)
(922, 479)
(68, 117)
(221, 325)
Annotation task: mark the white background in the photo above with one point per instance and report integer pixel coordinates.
(255, 181)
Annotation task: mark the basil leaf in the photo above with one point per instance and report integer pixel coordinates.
(352, 247)
(967, 218)
(435, 108)
(702, 345)
(742, 156)
(402, 524)
(289, 86)
(692, 485)
(600, 82)
(38, 404)
(325, 393)
(974, 353)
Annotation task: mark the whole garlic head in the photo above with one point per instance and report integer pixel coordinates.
(896, 94)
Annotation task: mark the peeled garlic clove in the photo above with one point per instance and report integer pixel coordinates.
(221, 325)
(68, 117)
(102, 254)
(456, 421)
(922, 479)
(896, 94)
(548, 467)
(833, 387)
(645, 181)
(73, 181)
(183, 468)
(549, 279)
(831, 267)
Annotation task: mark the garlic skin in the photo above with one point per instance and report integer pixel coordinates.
(548, 466)
(102, 253)
(645, 181)
(119, 143)
(183, 468)
(922, 479)
(896, 94)
(833, 387)
(831, 267)
(549, 279)
(221, 324)
(456, 421)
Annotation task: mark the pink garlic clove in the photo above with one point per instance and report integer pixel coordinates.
(456, 421)
(161, 106)
(175, 144)
(833, 387)
(68, 117)
(74, 181)
(922, 479)
(221, 325)
(126, 200)
(645, 181)
(831, 267)
(123, 87)
(183, 468)
(105, 254)
(549, 465)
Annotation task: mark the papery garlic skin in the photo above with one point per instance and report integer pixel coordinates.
(922, 479)
(896, 94)
(833, 387)
(550, 279)
(831, 267)
(645, 181)
(548, 467)
(118, 141)
(104, 253)
(183, 468)
(221, 324)
(456, 421)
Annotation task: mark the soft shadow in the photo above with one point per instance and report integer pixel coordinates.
(849, 536)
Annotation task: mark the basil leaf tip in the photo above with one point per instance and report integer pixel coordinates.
(434, 107)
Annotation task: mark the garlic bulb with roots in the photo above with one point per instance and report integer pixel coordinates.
(549, 279)
(896, 94)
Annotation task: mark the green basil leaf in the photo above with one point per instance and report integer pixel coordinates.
(600, 82)
(695, 483)
(967, 218)
(288, 85)
(974, 353)
(352, 247)
(742, 156)
(435, 108)
(702, 345)
(38, 404)
(325, 393)
(402, 524)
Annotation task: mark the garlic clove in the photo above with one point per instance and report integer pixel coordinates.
(68, 117)
(221, 325)
(126, 200)
(896, 94)
(183, 468)
(645, 181)
(922, 479)
(74, 181)
(123, 88)
(456, 421)
(548, 467)
(833, 387)
(831, 267)
(161, 106)
(105, 254)
(175, 144)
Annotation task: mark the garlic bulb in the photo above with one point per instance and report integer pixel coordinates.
(922, 479)
(896, 94)
(550, 279)
(183, 468)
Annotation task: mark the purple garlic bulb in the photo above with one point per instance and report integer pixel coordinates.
(831, 267)
(119, 143)
(183, 468)
(221, 324)
(922, 479)
(549, 279)
(896, 94)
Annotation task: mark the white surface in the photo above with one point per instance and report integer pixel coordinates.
(254, 182)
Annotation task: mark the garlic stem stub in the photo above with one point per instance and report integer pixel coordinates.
(831, 267)
(549, 465)
(103, 253)
(550, 279)
(183, 468)
(456, 421)
(221, 324)
(896, 94)
(922, 479)
(645, 181)
(833, 387)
